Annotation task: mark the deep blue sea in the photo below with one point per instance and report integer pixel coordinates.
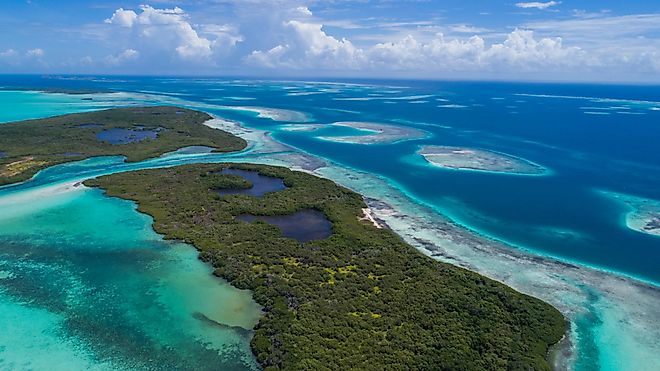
(599, 143)
(592, 137)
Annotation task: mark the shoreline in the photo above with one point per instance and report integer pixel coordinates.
(75, 185)
(601, 280)
(539, 315)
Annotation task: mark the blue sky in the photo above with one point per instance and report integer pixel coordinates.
(571, 40)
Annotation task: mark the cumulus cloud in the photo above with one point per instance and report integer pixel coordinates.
(35, 53)
(124, 18)
(538, 5)
(121, 58)
(170, 29)
(310, 46)
(286, 35)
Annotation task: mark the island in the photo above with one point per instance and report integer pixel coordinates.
(471, 159)
(374, 133)
(137, 133)
(337, 291)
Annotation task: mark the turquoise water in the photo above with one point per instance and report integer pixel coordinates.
(86, 283)
(23, 105)
(534, 225)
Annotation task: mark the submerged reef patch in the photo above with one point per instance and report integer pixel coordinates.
(375, 133)
(275, 114)
(643, 215)
(472, 159)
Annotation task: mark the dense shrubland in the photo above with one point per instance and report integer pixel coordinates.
(32, 145)
(360, 299)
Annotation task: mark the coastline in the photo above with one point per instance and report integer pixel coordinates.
(556, 319)
(556, 280)
(563, 284)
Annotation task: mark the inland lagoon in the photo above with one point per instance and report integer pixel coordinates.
(303, 226)
(256, 184)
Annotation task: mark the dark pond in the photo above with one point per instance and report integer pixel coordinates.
(90, 125)
(3, 154)
(260, 184)
(304, 226)
(72, 154)
(126, 136)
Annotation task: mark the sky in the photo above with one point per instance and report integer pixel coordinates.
(568, 40)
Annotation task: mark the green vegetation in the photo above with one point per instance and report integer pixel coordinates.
(32, 145)
(361, 299)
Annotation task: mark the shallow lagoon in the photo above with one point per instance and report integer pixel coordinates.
(86, 281)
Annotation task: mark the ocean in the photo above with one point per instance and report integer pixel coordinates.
(569, 236)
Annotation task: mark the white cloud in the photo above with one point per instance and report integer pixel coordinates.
(8, 54)
(623, 43)
(604, 28)
(170, 30)
(463, 28)
(124, 18)
(286, 35)
(121, 58)
(35, 53)
(304, 10)
(538, 5)
(310, 46)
